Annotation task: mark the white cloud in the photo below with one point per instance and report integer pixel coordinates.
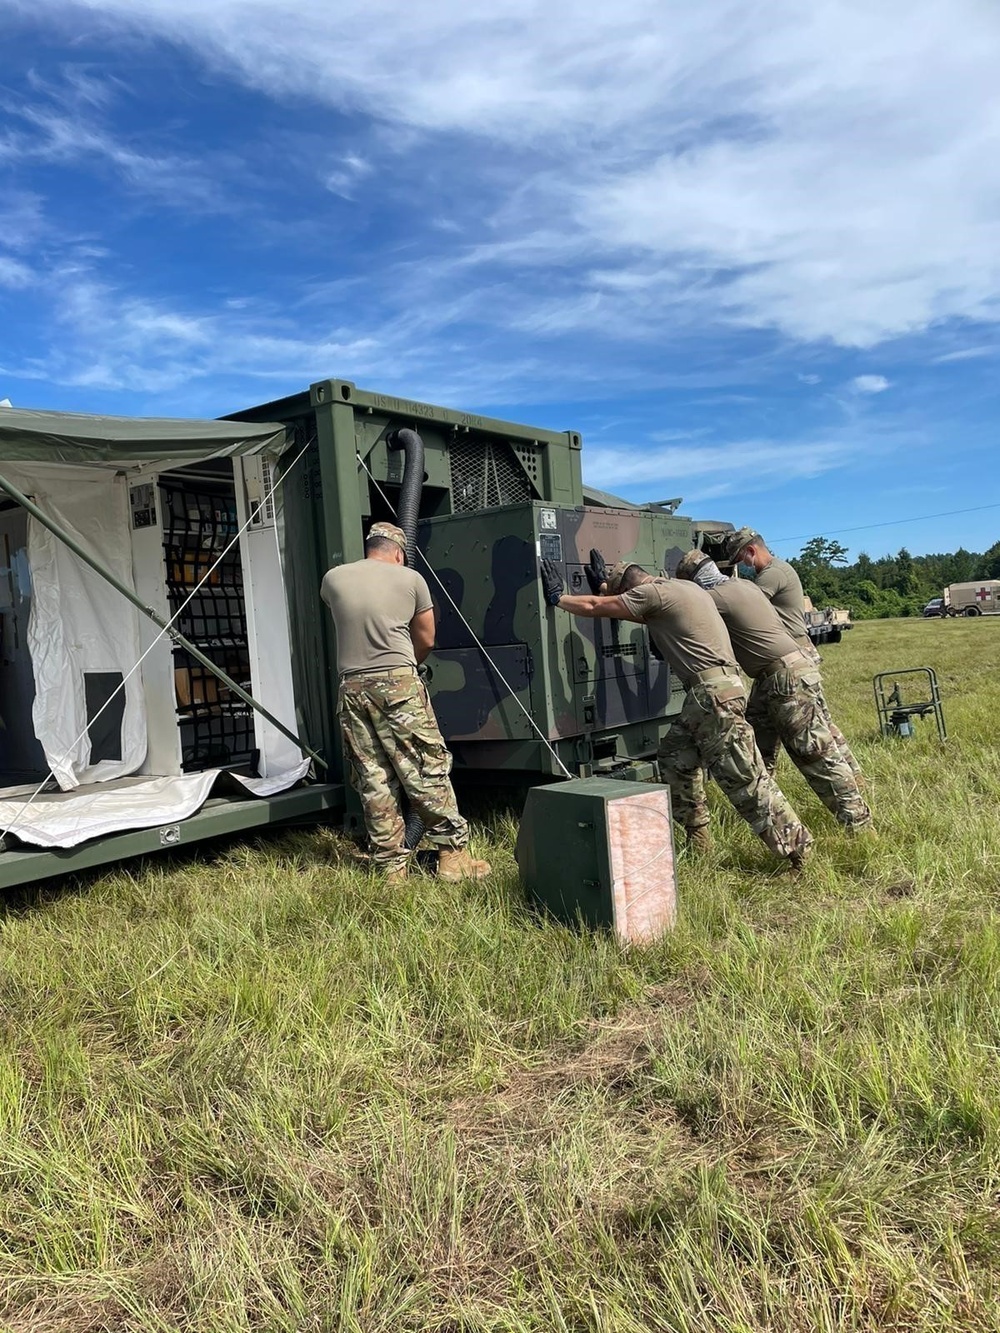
(825, 170)
(869, 384)
(13, 273)
(99, 336)
(346, 175)
(967, 354)
(757, 462)
(60, 128)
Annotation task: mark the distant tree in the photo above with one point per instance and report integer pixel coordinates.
(964, 566)
(907, 582)
(892, 585)
(815, 566)
(989, 564)
(822, 551)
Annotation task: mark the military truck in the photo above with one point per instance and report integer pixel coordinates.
(980, 598)
(827, 625)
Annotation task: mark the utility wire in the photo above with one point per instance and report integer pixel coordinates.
(891, 523)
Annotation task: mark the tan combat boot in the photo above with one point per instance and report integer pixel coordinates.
(699, 840)
(455, 864)
(398, 874)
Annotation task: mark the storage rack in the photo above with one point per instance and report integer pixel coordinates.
(199, 522)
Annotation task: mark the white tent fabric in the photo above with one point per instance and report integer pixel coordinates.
(79, 624)
(83, 635)
(65, 819)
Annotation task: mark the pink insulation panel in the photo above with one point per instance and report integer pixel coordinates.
(644, 887)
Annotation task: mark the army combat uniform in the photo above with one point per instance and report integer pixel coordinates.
(782, 586)
(786, 689)
(711, 731)
(392, 743)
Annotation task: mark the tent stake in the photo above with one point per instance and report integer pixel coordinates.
(152, 615)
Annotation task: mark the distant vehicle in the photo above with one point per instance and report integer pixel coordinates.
(827, 625)
(935, 607)
(981, 598)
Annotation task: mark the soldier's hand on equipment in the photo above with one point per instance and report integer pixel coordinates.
(552, 583)
(596, 571)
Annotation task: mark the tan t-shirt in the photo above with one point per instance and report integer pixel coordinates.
(755, 629)
(684, 624)
(372, 603)
(782, 587)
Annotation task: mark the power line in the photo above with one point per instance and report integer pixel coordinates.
(891, 523)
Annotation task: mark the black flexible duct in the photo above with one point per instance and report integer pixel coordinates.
(407, 514)
(408, 509)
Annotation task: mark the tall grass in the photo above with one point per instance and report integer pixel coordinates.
(261, 1090)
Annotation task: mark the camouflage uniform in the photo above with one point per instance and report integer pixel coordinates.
(790, 703)
(769, 737)
(781, 585)
(786, 689)
(711, 732)
(392, 743)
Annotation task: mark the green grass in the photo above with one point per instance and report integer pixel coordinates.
(260, 1090)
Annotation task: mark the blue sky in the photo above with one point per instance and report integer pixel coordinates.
(751, 252)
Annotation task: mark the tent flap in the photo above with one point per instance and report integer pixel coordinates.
(127, 442)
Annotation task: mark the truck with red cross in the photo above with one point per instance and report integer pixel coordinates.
(980, 598)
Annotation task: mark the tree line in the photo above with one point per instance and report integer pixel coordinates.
(892, 585)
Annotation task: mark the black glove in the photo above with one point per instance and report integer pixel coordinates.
(552, 582)
(596, 571)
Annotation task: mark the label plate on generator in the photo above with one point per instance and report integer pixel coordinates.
(550, 546)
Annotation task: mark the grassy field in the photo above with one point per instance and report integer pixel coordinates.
(260, 1090)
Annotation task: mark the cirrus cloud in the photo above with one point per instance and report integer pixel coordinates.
(827, 171)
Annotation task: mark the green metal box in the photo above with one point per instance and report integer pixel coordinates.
(599, 852)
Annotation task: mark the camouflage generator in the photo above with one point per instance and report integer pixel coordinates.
(484, 499)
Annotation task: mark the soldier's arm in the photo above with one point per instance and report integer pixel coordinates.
(422, 633)
(596, 608)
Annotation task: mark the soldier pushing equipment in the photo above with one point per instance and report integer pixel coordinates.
(384, 619)
(711, 731)
(786, 687)
(782, 587)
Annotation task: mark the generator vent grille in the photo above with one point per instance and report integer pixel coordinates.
(485, 474)
(528, 454)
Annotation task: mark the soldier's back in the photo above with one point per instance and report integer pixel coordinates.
(372, 603)
(781, 585)
(756, 630)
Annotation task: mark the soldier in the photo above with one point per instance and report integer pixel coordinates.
(710, 732)
(785, 687)
(384, 620)
(782, 586)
